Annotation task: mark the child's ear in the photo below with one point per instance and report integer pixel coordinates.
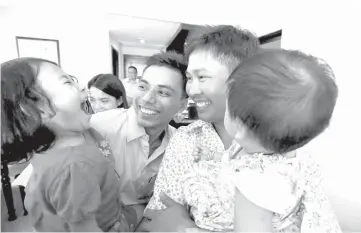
(242, 133)
(46, 110)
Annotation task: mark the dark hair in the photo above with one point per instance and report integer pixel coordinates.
(170, 59)
(228, 44)
(111, 85)
(22, 131)
(133, 67)
(284, 98)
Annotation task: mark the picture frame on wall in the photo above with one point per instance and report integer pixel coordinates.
(40, 48)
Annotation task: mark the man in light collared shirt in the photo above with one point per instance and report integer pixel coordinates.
(139, 136)
(131, 83)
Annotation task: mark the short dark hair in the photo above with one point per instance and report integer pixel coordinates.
(284, 98)
(228, 44)
(22, 131)
(133, 67)
(111, 85)
(171, 60)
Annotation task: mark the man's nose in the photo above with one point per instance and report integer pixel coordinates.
(149, 96)
(194, 88)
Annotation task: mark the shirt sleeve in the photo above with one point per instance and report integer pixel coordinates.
(75, 193)
(266, 188)
(106, 122)
(177, 160)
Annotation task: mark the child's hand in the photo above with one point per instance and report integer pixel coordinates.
(202, 153)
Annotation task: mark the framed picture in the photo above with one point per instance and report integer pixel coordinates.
(40, 48)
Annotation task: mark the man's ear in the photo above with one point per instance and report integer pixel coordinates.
(119, 101)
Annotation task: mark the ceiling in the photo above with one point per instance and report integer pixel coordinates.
(130, 30)
(158, 21)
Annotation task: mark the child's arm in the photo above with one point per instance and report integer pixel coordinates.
(249, 217)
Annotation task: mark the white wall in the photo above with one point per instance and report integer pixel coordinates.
(140, 51)
(336, 40)
(84, 41)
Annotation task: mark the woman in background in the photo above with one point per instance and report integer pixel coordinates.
(106, 92)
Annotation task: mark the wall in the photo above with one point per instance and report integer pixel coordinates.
(336, 40)
(84, 41)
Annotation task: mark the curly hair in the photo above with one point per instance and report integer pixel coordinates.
(22, 131)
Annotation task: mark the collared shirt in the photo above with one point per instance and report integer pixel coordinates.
(130, 145)
(178, 159)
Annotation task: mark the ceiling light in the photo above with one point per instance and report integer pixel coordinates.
(142, 40)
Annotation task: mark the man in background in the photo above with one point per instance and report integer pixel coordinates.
(132, 74)
(130, 83)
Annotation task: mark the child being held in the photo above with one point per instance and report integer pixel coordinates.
(278, 101)
(74, 186)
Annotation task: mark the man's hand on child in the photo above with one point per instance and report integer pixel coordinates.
(203, 153)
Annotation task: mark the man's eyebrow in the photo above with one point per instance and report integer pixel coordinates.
(144, 81)
(196, 71)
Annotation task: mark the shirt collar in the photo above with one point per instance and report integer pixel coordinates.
(136, 131)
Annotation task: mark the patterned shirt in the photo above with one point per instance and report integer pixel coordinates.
(209, 193)
(288, 186)
(178, 159)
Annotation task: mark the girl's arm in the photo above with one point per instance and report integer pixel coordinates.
(249, 217)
